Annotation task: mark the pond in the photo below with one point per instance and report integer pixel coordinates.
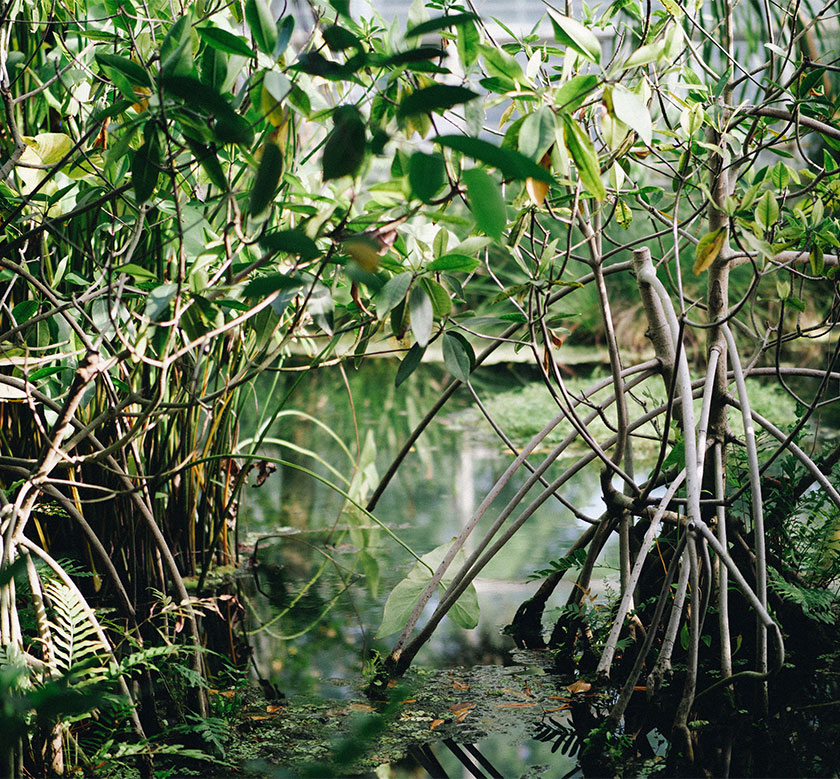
(314, 603)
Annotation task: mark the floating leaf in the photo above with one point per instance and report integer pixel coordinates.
(486, 202)
(438, 97)
(708, 249)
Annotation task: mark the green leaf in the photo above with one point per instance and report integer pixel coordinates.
(413, 56)
(262, 286)
(817, 259)
(586, 160)
(393, 293)
(145, 171)
(644, 55)
(571, 32)
(438, 97)
(206, 157)
(24, 310)
(571, 95)
(406, 594)
(767, 210)
(457, 357)
(537, 132)
(441, 302)
(486, 202)
(176, 50)
(344, 150)
(262, 25)
(157, 303)
(511, 163)
(135, 74)
(502, 65)
(631, 109)
(410, 362)
(422, 315)
(291, 242)
(440, 23)
(426, 175)
(233, 128)
(225, 41)
(708, 249)
(339, 38)
(268, 176)
(454, 263)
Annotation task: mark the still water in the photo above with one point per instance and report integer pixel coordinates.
(315, 604)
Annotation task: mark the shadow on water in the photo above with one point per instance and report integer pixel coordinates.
(321, 572)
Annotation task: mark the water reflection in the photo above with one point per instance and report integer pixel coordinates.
(312, 576)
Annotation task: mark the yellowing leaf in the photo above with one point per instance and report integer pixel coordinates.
(364, 251)
(50, 147)
(537, 190)
(708, 249)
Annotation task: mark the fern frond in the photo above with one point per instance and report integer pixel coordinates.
(75, 640)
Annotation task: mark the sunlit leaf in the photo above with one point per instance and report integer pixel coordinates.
(486, 202)
(422, 314)
(631, 109)
(571, 32)
(586, 160)
(454, 263)
(261, 24)
(222, 40)
(708, 249)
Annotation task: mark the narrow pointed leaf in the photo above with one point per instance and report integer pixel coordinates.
(571, 32)
(422, 315)
(586, 160)
(708, 249)
(268, 176)
(439, 97)
(511, 163)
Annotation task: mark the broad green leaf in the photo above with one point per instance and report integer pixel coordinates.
(486, 202)
(406, 594)
(536, 133)
(440, 23)
(262, 286)
(691, 119)
(502, 65)
(631, 109)
(49, 147)
(131, 70)
(24, 310)
(511, 163)
(441, 302)
(454, 263)
(575, 91)
(780, 176)
(339, 38)
(158, 300)
(262, 25)
(422, 314)
(225, 41)
(233, 128)
(426, 175)
(571, 32)
(291, 242)
(392, 293)
(767, 210)
(708, 249)
(176, 50)
(145, 171)
(344, 150)
(439, 97)
(817, 259)
(456, 357)
(646, 54)
(410, 362)
(586, 160)
(267, 178)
